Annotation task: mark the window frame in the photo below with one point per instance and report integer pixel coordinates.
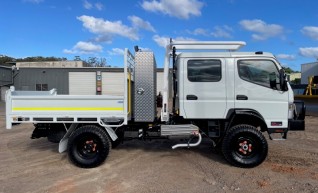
(253, 82)
(207, 59)
(41, 86)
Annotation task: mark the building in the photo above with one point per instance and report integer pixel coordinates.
(50, 64)
(307, 70)
(6, 80)
(294, 76)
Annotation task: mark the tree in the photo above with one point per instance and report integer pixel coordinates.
(5, 59)
(288, 70)
(95, 62)
(40, 59)
(77, 58)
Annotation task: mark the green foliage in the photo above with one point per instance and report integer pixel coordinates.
(8, 59)
(93, 62)
(296, 81)
(289, 70)
(40, 59)
(90, 62)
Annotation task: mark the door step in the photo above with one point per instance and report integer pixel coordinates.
(281, 137)
(178, 130)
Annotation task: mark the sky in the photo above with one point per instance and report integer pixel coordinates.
(104, 28)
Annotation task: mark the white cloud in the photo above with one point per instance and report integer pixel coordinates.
(285, 57)
(105, 38)
(163, 41)
(106, 30)
(84, 48)
(182, 9)
(99, 6)
(33, 1)
(87, 5)
(218, 32)
(262, 30)
(222, 32)
(310, 52)
(116, 51)
(183, 39)
(67, 51)
(310, 31)
(137, 22)
(200, 31)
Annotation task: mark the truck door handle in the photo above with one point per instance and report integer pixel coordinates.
(192, 97)
(241, 97)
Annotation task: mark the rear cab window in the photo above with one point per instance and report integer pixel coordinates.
(207, 70)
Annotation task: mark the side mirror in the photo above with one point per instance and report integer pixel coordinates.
(282, 80)
(272, 80)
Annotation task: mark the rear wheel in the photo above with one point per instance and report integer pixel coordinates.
(244, 146)
(88, 146)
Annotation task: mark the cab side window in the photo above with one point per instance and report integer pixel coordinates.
(261, 72)
(204, 70)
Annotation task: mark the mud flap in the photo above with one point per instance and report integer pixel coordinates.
(64, 140)
(111, 133)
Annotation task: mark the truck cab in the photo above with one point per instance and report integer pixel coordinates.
(233, 97)
(213, 85)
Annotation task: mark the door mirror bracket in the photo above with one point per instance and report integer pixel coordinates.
(282, 80)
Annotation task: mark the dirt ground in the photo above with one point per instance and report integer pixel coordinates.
(136, 166)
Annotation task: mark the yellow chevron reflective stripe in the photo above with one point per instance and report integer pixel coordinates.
(67, 109)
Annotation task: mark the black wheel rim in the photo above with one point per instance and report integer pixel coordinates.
(245, 147)
(88, 147)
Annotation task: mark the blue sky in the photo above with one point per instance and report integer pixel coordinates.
(96, 28)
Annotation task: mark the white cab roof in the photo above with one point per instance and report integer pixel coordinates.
(224, 54)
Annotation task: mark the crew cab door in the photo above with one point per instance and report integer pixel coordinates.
(257, 88)
(203, 91)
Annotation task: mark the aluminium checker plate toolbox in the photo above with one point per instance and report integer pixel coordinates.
(145, 87)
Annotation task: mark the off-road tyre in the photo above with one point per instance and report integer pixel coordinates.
(88, 146)
(244, 146)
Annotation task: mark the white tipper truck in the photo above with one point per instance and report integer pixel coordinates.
(218, 93)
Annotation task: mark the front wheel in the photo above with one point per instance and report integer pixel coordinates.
(88, 146)
(244, 146)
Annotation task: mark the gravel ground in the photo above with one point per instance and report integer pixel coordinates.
(136, 166)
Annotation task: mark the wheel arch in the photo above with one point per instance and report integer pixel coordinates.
(246, 116)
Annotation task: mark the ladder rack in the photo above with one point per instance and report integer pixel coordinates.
(207, 45)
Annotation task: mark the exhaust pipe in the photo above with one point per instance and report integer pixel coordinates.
(188, 145)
